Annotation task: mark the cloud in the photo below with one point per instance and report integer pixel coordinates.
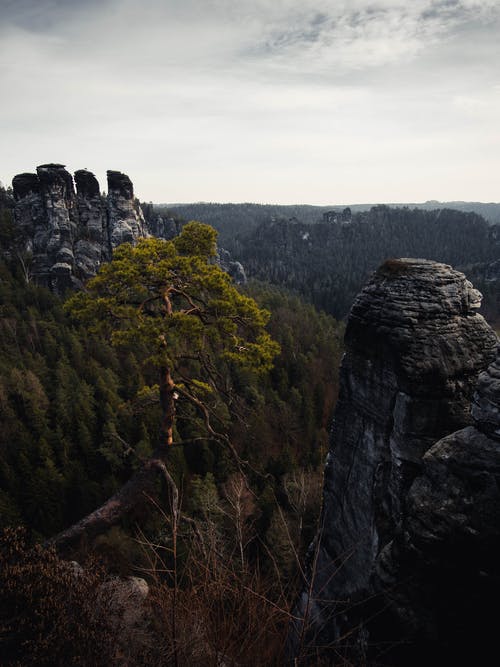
(219, 99)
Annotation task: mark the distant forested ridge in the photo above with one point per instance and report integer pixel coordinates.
(230, 219)
(324, 254)
(328, 262)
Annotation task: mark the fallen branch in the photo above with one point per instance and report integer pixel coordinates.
(137, 490)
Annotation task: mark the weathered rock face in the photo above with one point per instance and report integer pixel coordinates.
(234, 268)
(92, 247)
(59, 199)
(163, 227)
(414, 349)
(29, 211)
(46, 211)
(70, 234)
(486, 402)
(440, 576)
(125, 218)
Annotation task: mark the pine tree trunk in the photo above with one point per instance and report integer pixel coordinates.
(141, 487)
(167, 403)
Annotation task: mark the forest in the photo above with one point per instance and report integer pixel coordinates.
(221, 539)
(328, 262)
(79, 416)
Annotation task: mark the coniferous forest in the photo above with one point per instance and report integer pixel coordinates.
(79, 417)
(216, 545)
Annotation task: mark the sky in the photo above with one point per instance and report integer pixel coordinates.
(272, 101)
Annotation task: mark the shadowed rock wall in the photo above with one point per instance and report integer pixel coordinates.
(414, 349)
(440, 575)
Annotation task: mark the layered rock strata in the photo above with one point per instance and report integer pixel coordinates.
(69, 234)
(46, 211)
(414, 349)
(440, 575)
(93, 246)
(125, 217)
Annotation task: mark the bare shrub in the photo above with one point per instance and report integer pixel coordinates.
(208, 610)
(49, 611)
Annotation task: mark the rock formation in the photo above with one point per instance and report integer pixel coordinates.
(338, 216)
(164, 227)
(440, 575)
(234, 268)
(125, 218)
(93, 245)
(31, 218)
(414, 349)
(69, 234)
(47, 213)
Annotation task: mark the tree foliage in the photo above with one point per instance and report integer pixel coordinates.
(172, 302)
(74, 409)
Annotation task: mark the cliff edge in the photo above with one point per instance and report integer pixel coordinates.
(415, 347)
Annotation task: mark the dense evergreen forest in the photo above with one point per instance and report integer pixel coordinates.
(70, 408)
(241, 219)
(79, 417)
(328, 262)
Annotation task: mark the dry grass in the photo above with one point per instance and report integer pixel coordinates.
(392, 268)
(209, 610)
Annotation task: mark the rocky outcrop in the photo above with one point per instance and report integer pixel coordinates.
(67, 233)
(29, 210)
(125, 218)
(164, 227)
(415, 347)
(234, 268)
(46, 211)
(338, 216)
(440, 575)
(93, 246)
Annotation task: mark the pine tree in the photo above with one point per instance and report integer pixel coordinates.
(183, 317)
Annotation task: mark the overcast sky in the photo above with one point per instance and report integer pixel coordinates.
(279, 101)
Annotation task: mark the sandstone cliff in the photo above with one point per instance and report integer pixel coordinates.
(415, 347)
(440, 575)
(125, 218)
(68, 233)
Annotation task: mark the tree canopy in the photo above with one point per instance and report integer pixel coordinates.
(173, 303)
(170, 299)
